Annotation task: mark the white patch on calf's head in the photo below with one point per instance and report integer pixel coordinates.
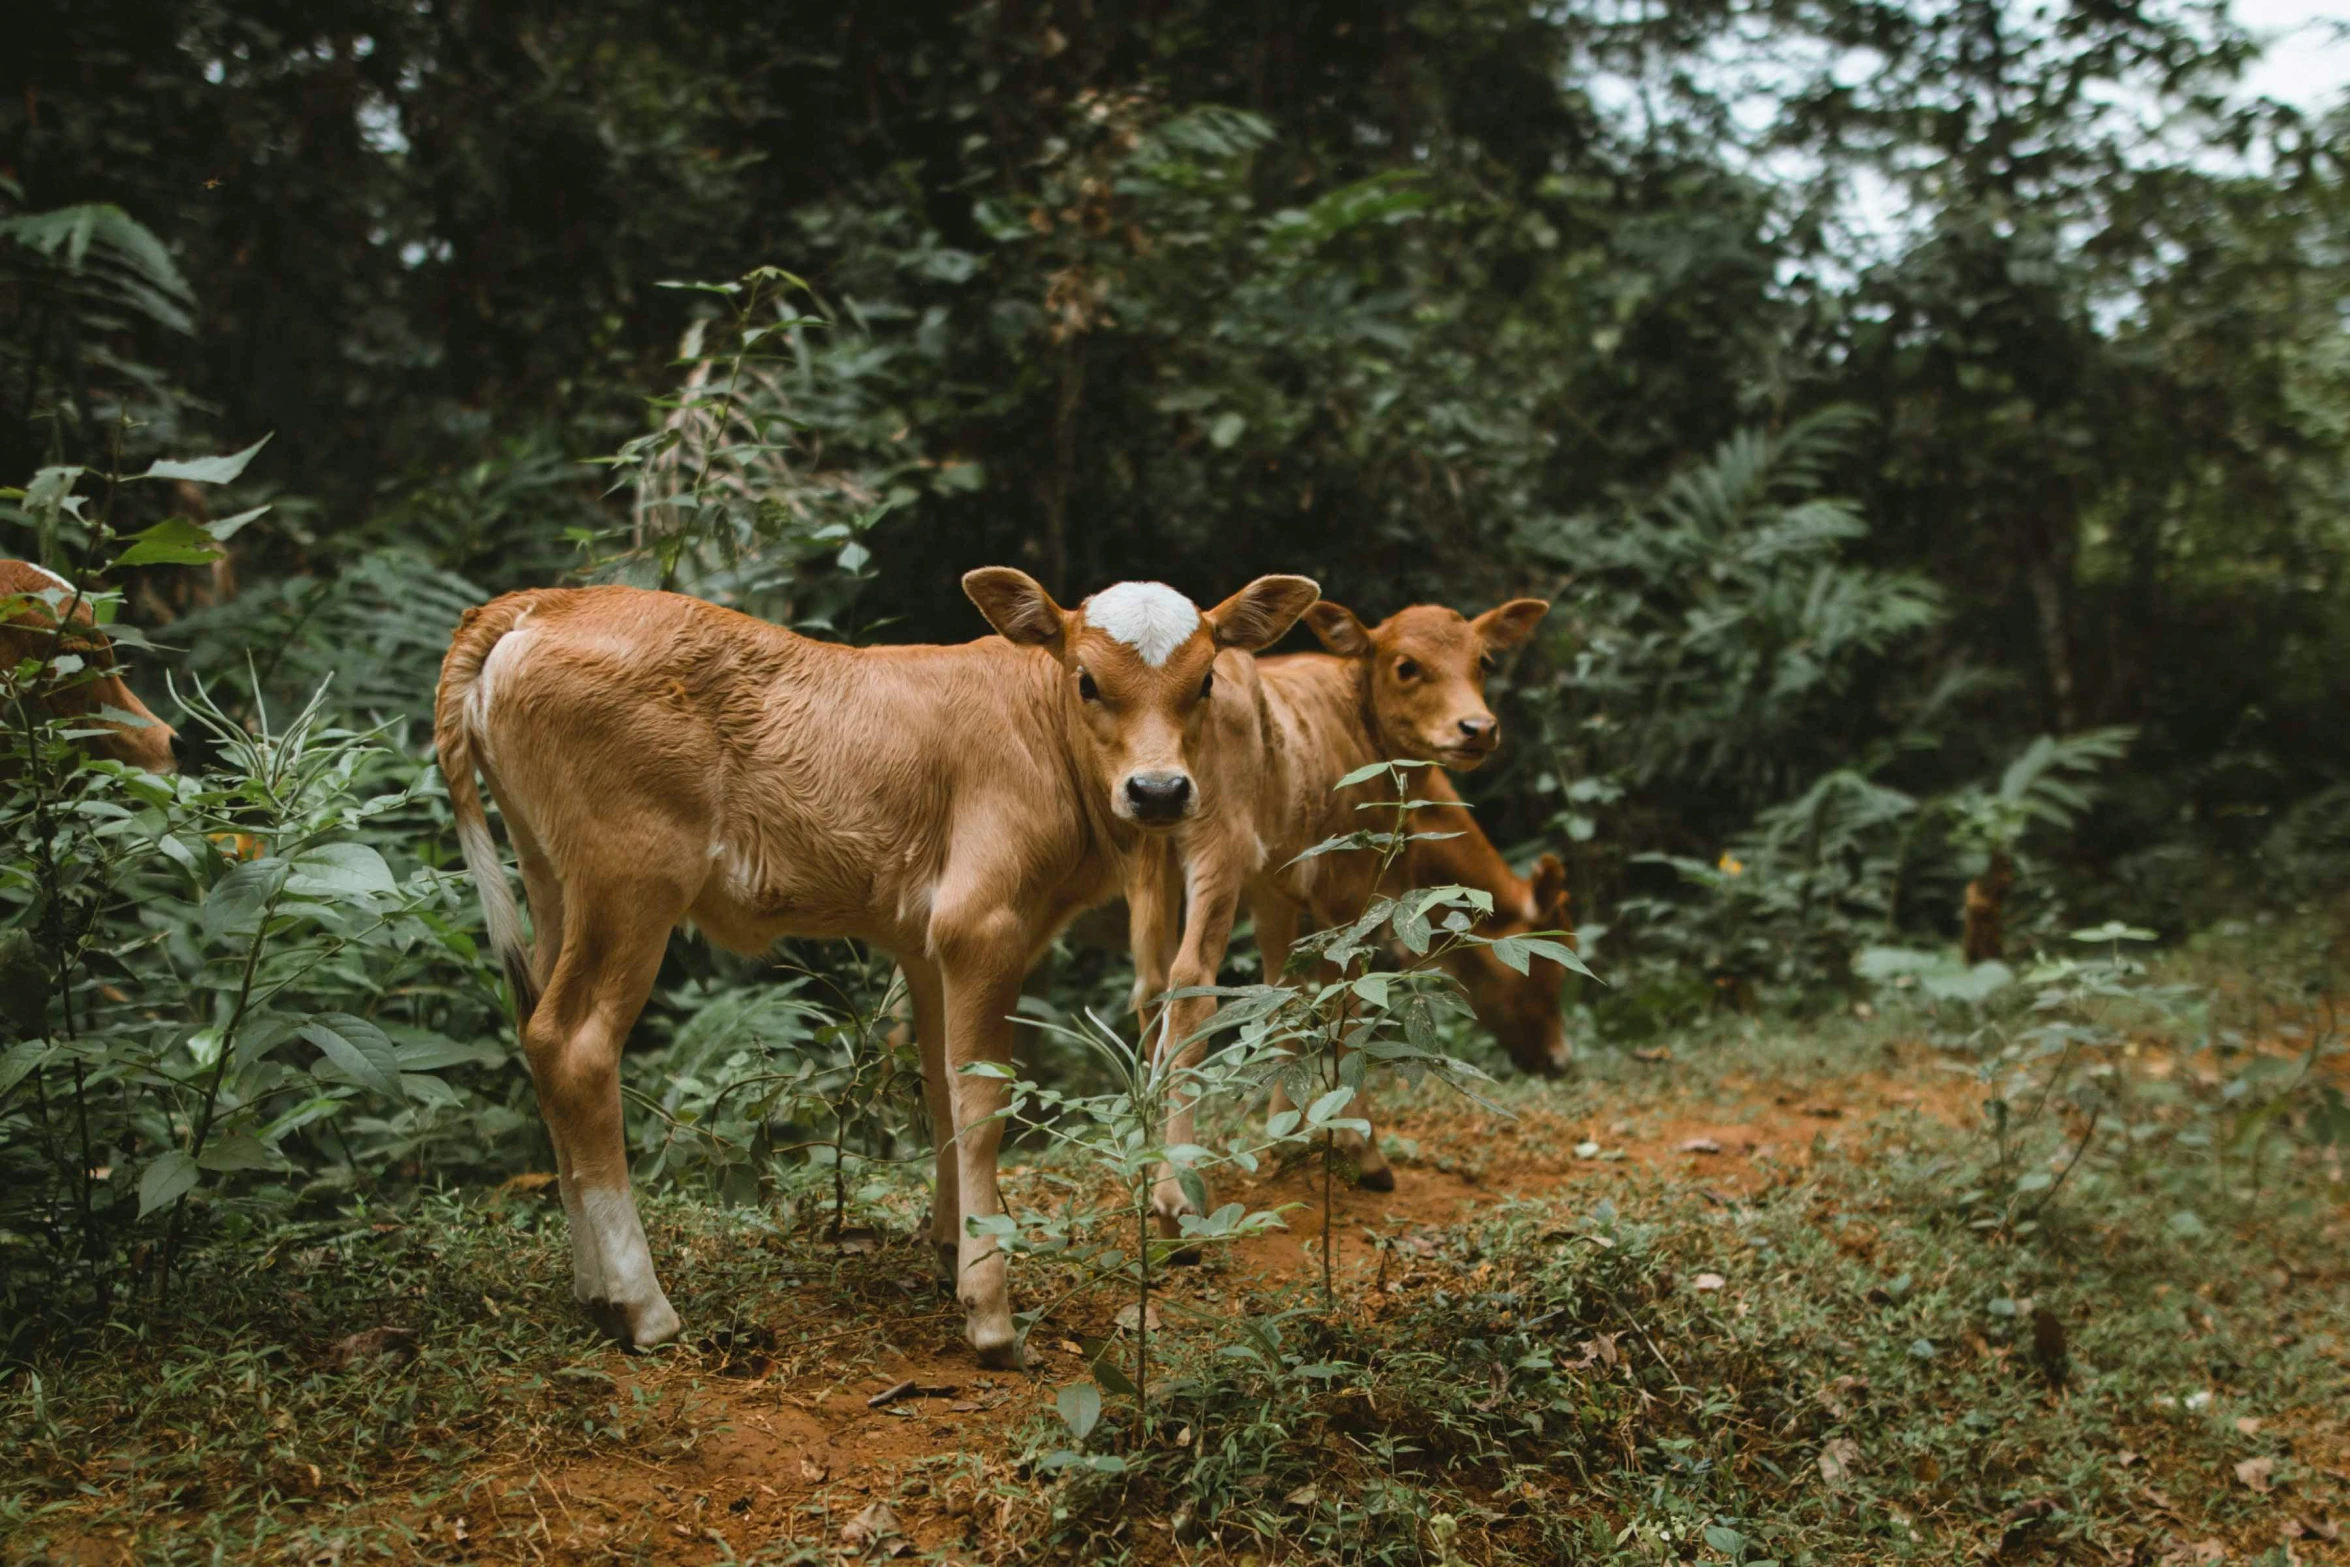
(1149, 617)
(51, 575)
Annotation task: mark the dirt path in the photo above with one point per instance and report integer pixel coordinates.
(798, 1451)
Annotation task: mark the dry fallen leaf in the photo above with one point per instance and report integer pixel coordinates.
(2195, 1555)
(870, 1527)
(812, 1471)
(1127, 1315)
(1303, 1496)
(1710, 1281)
(1652, 1053)
(857, 1240)
(1838, 1458)
(397, 1345)
(2249, 1424)
(1701, 1145)
(2255, 1474)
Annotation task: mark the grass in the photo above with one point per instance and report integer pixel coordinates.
(1836, 1350)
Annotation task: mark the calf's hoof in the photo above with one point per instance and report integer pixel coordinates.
(635, 1324)
(1379, 1180)
(993, 1339)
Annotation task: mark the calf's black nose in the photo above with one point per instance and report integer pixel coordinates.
(1479, 728)
(1158, 797)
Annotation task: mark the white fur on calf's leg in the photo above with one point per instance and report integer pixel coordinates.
(631, 1292)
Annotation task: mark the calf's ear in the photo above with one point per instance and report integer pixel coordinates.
(1550, 890)
(1512, 623)
(1341, 632)
(1017, 605)
(1261, 614)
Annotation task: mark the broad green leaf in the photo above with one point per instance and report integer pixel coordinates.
(432, 1054)
(228, 527)
(233, 906)
(204, 470)
(1282, 1123)
(172, 1176)
(1195, 1190)
(174, 541)
(22, 1059)
(1558, 952)
(1322, 1109)
(359, 1049)
(239, 1151)
(331, 869)
(1080, 1404)
(1108, 1373)
(1362, 774)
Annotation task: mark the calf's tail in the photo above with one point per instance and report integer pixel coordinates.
(457, 715)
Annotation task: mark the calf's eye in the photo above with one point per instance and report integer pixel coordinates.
(1086, 689)
(1405, 669)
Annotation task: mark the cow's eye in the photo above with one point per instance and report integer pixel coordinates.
(1086, 689)
(1207, 685)
(1405, 669)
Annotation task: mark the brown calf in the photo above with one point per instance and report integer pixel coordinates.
(28, 630)
(1287, 730)
(661, 760)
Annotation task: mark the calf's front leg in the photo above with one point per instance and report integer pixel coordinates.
(1211, 898)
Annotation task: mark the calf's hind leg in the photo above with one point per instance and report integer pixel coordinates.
(612, 946)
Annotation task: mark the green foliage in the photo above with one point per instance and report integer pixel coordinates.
(226, 996)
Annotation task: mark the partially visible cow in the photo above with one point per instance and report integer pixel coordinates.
(1288, 730)
(661, 760)
(93, 694)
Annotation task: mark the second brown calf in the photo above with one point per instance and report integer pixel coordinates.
(1289, 729)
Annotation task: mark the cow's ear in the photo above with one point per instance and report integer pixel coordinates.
(1511, 623)
(1261, 614)
(1339, 630)
(1017, 605)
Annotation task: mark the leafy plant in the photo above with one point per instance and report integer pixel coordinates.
(811, 1062)
(1118, 1138)
(1352, 1013)
(202, 968)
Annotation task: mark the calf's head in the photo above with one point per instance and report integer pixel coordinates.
(1521, 1011)
(1137, 664)
(1426, 666)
